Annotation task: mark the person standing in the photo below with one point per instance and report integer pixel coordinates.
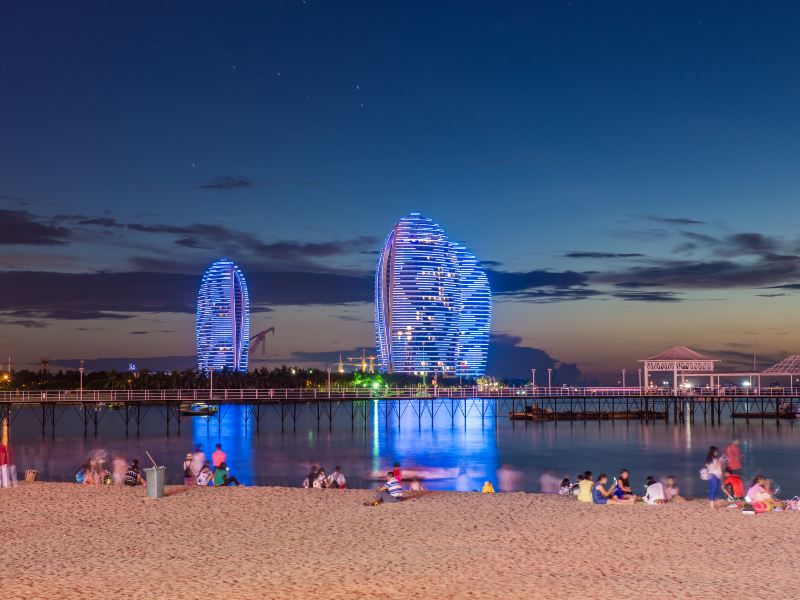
(218, 456)
(5, 478)
(198, 460)
(733, 454)
(713, 471)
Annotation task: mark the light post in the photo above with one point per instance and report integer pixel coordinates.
(329, 382)
(549, 381)
(533, 380)
(623, 378)
(80, 370)
(640, 381)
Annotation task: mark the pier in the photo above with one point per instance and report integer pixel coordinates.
(396, 405)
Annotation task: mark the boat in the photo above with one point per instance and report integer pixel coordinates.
(198, 409)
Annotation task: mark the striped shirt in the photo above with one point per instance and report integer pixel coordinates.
(394, 488)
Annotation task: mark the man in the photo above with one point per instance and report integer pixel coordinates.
(336, 479)
(733, 485)
(218, 456)
(734, 455)
(391, 491)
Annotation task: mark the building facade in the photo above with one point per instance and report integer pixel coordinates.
(432, 303)
(223, 319)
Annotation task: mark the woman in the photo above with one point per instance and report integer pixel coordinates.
(622, 486)
(714, 474)
(672, 493)
(600, 495)
(760, 492)
(585, 487)
(222, 477)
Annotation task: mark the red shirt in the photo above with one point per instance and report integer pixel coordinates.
(3, 455)
(734, 456)
(397, 474)
(218, 457)
(736, 484)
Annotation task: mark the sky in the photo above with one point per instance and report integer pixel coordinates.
(628, 173)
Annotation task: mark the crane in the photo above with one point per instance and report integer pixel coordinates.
(259, 339)
(362, 360)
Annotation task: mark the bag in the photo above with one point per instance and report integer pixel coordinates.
(704, 473)
(30, 475)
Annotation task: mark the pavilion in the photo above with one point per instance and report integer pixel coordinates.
(788, 367)
(681, 361)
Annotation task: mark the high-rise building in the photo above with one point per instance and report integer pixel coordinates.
(432, 303)
(223, 318)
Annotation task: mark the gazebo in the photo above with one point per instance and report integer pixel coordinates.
(788, 367)
(680, 360)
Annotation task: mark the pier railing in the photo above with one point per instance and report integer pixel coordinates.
(273, 395)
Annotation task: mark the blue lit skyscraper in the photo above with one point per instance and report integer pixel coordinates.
(223, 318)
(432, 303)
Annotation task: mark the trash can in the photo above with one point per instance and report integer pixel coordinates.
(155, 481)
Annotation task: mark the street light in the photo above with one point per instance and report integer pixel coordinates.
(81, 372)
(549, 380)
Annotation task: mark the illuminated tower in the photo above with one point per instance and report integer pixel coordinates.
(223, 318)
(422, 282)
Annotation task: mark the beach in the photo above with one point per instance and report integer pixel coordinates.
(69, 541)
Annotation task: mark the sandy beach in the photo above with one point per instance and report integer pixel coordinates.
(71, 541)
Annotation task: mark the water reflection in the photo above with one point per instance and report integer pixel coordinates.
(453, 445)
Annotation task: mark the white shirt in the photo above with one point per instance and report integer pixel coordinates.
(654, 492)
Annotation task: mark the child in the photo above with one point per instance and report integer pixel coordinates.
(566, 487)
(488, 488)
(416, 485)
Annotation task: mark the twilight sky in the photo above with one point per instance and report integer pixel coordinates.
(629, 172)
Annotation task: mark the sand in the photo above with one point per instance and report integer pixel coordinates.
(68, 541)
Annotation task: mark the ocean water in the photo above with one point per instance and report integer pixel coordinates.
(459, 445)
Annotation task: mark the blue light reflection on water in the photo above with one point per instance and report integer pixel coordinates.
(454, 442)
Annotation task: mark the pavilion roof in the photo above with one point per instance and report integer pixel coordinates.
(682, 353)
(788, 366)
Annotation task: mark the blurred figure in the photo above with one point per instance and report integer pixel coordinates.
(398, 474)
(320, 482)
(565, 489)
(672, 492)
(336, 479)
(308, 482)
(507, 478)
(188, 474)
(733, 455)
(133, 476)
(84, 474)
(118, 467)
(487, 488)
(5, 476)
(198, 460)
(204, 476)
(416, 485)
(548, 482)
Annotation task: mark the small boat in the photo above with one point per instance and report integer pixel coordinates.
(198, 409)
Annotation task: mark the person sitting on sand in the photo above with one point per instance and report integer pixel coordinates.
(222, 476)
(622, 486)
(391, 491)
(320, 481)
(672, 493)
(655, 492)
(416, 485)
(118, 467)
(488, 488)
(565, 489)
(308, 482)
(760, 492)
(205, 476)
(576, 487)
(84, 474)
(601, 495)
(585, 487)
(188, 475)
(733, 486)
(133, 476)
(336, 479)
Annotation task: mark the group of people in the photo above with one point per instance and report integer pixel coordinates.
(723, 475)
(598, 491)
(317, 478)
(97, 471)
(198, 471)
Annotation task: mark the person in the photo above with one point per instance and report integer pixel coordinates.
(622, 486)
(218, 456)
(118, 467)
(391, 491)
(416, 485)
(308, 482)
(655, 492)
(84, 474)
(672, 493)
(713, 472)
(507, 478)
(488, 488)
(566, 487)
(336, 479)
(198, 460)
(548, 482)
(601, 495)
(133, 476)
(733, 455)
(576, 487)
(760, 492)
(732, 485)
(222, 476)
(205, 476)
(585, 487)
(398, 474)
(5, 475)
(188, 475)
(320, 481)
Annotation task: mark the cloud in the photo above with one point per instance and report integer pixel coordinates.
(787, 286)
(66, 314)
(509, 282)
(21, 227)
(508, 359)
(674, 220)
(644, 296)
(602, 255)
(770, 295)
(229, 182)
(27, 323)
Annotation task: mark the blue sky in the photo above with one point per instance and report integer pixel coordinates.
(629, 171)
